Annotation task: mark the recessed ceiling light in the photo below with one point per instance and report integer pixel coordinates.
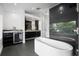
(61, 8)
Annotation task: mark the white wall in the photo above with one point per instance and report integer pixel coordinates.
(1, 17)
(14, 19)
(45, 25)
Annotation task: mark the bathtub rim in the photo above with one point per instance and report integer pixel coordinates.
(54, 46)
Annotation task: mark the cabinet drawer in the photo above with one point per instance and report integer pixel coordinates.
(7, 34)
(32, 34)
(7, 39)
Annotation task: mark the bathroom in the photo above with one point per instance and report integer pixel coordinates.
(33, 27)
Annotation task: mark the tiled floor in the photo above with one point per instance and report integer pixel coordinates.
(26, 49)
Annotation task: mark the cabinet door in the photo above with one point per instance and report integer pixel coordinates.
(7, 39)
(30, 34)
(38, 34)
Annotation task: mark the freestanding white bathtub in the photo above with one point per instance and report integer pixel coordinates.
(50, 47)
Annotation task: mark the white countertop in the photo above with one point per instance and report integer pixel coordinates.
(32, 30)
(11, 31)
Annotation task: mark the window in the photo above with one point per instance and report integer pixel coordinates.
(63, 27)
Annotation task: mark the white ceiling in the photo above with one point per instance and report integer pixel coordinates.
(29, 7)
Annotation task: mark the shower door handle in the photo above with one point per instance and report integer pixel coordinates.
(77, 30)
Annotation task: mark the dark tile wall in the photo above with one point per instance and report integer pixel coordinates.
(69, 13)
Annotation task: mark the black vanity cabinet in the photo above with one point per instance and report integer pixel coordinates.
(7, 39)
(32, 34)
(38, 34)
